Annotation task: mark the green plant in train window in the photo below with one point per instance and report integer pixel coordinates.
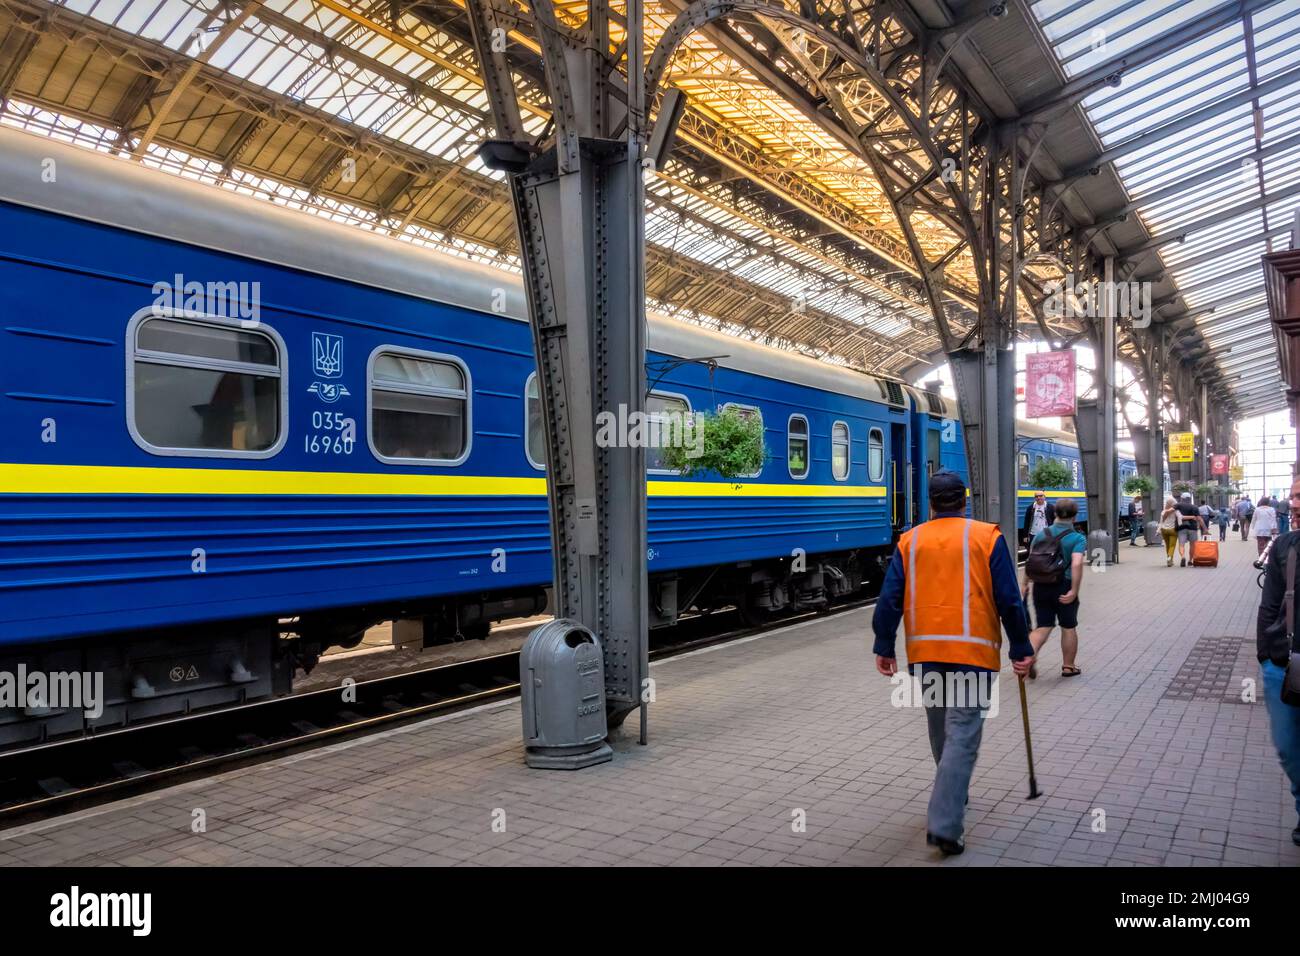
(728, 443)
(1049, 473)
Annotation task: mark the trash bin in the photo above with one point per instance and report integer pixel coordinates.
(1099, 550)
(1152, 533)
(562, 697)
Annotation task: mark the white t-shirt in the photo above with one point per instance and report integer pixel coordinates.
(1039, 521)
(1264, 524)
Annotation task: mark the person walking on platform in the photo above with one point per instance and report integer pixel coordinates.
(951, 582)
(1274, 647)
(1283, 520)
(1221, 518)
(1190, 523)
(1244, 511)
(1135, 519)
(1054, 569)
(1169, 530)
(1037, 517)
(1263, 524)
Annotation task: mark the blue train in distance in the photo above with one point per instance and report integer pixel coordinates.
(237, 435)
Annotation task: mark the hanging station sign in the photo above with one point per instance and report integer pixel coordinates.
(1049, 384)
(1182, 446)
(1218, 464)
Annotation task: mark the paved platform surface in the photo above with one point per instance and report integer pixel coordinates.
(751, 738)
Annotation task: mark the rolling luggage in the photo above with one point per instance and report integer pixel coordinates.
(1205, 554)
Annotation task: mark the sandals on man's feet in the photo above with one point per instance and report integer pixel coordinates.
(1070, 672)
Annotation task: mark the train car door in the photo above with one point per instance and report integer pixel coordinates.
(899, 478)
(926, 437)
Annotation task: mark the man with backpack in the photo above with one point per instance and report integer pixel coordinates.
(1055, 570)
(1190, 527)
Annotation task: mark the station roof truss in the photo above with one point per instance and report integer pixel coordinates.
(774, 217)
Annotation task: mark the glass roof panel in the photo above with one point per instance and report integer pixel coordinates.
(1217, 263)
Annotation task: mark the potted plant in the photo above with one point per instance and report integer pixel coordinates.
(1138, 486)
(728, 443)
(1050, 473)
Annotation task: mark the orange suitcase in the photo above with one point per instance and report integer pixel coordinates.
(1205, 554)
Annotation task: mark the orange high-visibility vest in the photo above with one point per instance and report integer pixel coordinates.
(949, 614)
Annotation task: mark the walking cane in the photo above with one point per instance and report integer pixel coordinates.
(1034, 792)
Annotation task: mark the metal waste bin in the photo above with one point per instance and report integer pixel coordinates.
(1152, 532)
(1099, 550)
(562, 696)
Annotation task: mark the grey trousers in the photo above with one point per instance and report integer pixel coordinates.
(955, 734)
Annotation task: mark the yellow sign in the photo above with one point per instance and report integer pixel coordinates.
(1237, 473)
(1182, 446)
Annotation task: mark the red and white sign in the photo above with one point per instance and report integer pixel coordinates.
(1049, 384)
(1218, 464)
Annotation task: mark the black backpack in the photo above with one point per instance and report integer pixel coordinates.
(1046, 562)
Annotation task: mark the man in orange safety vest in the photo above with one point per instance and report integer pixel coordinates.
(952, 584)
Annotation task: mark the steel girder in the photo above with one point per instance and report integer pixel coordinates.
(936, 153)
(579, 205)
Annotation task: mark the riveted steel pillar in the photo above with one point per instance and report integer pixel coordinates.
(1108, 460)
(579, 208)
(985, 381)
(1155, 429)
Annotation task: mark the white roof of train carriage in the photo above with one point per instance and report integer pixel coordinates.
(106, 189)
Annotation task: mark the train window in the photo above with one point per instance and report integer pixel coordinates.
(932, 454)
(1022, 468)
(667, 414)
(747, 412)
(419, 407)
(797, 446)
(840, 451)
(206, 388)
(876, 454)
(534, 434)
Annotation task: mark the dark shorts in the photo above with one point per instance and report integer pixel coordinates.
(1048, 609)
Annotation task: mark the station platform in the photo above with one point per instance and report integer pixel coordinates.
(748, 737)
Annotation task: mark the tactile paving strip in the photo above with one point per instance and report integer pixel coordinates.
(1214, 670)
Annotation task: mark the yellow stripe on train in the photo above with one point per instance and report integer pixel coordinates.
(18, 479)
(1052, 493)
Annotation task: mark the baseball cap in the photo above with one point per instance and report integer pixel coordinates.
(1187, 496)
(947, 485)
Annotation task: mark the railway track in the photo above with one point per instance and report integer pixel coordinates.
(62, 776)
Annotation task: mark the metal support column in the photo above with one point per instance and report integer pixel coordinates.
(1108, 470)
(579, 206)
(1155, 428)
(985, 381)
(985, 374)
(1205, 436)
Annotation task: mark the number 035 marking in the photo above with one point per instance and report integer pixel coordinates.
(335, 434)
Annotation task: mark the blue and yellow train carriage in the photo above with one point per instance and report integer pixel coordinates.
(237, 434)
(1034, 443)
